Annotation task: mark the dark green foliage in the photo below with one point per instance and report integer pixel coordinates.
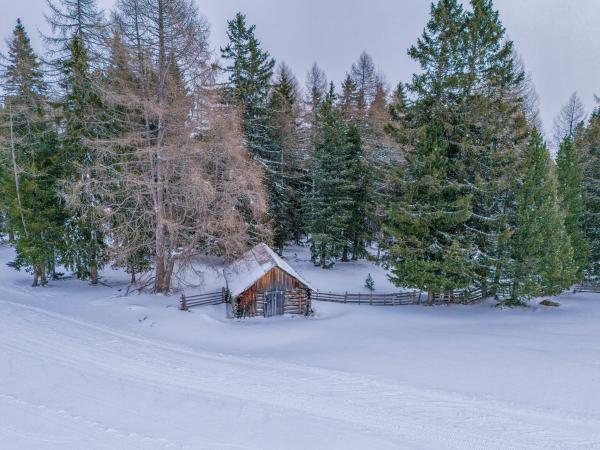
(291, 181)
(359, 233)
(331, 196)
(33, 211)
(250, 71)
(541, 252)
(590, 142)
(370, 283)
(462, 129)
(570, 178)
(83, 120)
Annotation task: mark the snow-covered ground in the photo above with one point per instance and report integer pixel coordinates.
(82, 367)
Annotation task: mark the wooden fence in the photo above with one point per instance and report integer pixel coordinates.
(593, 288)
(299, 305)
(464, 296)
(208, 298)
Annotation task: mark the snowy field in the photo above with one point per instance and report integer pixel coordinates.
(84, 368)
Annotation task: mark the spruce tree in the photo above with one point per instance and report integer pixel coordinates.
(331, 196)
(31, 161)
(286, 139)
(83, 120)
(590, 142)
(431, 203)
(358, 232)
(467, 97)
(250, 70)
(541, 252)
(570, 178)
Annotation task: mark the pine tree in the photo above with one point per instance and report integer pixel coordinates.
(431, 203)
(492, 131)
(286, 138)
(358, 232)
(29, 154)
(83, 120)
(331, 197)
(541, 252)
(250, 71)
(570, 179)
(469, 94)
(590, 143)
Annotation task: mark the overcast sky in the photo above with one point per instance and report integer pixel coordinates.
(558, 39)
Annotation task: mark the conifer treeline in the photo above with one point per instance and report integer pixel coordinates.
(134, 147)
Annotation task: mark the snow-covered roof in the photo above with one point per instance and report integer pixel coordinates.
(253, 265)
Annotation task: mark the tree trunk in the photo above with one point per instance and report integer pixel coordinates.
(16, 170)
(345, 254)
(43, 275)
(133, 280)
(94, 273)
(36, 276)
(430, 298)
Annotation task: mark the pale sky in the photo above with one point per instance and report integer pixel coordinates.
(558, 39)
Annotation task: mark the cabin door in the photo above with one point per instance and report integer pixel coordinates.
(274, 302)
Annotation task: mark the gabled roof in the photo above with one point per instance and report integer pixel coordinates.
(251, 267)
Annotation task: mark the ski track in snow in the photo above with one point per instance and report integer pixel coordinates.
(82, 385)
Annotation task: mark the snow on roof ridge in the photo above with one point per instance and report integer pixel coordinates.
(254, 264)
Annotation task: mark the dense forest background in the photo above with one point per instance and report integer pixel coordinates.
(131, 143)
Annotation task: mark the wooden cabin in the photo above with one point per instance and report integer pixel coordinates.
(261, 283)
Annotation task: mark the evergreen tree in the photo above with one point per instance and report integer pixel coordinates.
(492, 129)
(570, 178)
(431, 203)
(250, 71)
(541, 252)
(467, 101)
(358, 232)
(331, 197)
(286, 138)
(32, 167)
(83, 120)
(590, 143)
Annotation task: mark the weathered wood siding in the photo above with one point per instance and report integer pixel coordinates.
(297, 298)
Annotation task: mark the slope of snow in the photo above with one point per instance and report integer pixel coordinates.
(84, 367)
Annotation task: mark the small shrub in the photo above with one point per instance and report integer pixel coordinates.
(370, 283)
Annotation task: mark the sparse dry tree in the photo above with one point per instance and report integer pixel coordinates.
(175, 179)
(570, 117)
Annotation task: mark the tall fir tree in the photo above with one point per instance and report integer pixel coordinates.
(468, 93)
(358, 232)
(83, 120)
(431, 204)
(541, 252)
(250, 70)
(589, 141)
(31, 161)
(331, 196)
(287, 139)
(570, 183)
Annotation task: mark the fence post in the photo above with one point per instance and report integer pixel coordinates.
(346, 297)
(183, 303)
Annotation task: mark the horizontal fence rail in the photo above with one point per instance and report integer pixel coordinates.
(593, 288)
(206, 299)
(466, 296)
